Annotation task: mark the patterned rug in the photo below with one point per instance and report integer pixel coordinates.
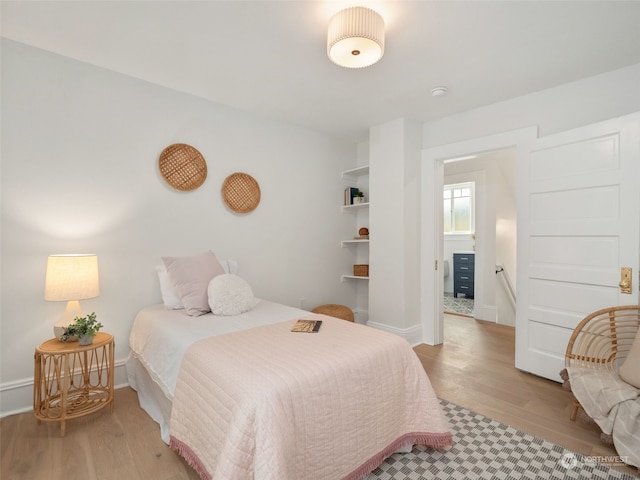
(487, 449)
(461, 304)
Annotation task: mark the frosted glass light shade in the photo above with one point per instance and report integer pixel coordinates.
(71, 278)
(356, 37)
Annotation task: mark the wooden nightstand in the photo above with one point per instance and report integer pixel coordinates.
(71, 380)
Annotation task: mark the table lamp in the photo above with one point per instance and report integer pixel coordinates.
(71, 278)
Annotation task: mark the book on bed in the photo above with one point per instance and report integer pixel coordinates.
(307, 326)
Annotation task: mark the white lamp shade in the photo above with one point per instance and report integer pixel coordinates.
(71, 277)
(356, 37)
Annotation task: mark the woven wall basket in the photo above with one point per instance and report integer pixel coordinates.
(241, 192)
(183, 167)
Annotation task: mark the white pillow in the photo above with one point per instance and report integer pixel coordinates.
(230, 266)
(170, 298)
(190, 277)
(630, 369)
(230, 295)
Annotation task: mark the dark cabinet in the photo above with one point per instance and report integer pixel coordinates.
(463, 271)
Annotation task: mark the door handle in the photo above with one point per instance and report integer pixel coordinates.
(625, 280)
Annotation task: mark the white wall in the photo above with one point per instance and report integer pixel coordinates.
(394, 286)
(553, 110)
(506, 220)
(80, 147)
(386, 152)
(506, 231)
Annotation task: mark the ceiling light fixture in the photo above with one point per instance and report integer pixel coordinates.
(356, 37)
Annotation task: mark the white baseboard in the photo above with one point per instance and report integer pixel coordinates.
(17, 396)
(361, 316)
(412, 334)
(487, 313)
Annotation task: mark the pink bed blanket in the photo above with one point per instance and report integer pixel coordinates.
(271, 404)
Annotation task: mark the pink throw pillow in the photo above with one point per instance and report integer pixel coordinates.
(190, 277)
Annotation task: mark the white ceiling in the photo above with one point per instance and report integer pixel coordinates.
(269, 57)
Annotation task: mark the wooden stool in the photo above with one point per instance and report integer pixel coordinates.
(333, 310)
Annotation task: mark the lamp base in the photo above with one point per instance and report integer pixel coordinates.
(58, 331)
(72, 311)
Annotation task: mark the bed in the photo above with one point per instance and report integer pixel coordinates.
(323, 410)
(242, 396)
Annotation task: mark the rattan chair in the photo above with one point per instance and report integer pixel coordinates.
(602, 340)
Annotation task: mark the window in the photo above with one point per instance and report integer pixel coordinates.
(458, 208)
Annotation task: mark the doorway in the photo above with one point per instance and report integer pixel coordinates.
(491, 181)
(432, 181)
(576, 190)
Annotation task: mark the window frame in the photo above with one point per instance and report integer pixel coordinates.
(472, 207)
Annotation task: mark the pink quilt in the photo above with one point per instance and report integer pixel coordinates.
(271, 404)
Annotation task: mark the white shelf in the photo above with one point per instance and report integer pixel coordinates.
(345, 243)
(357, 177)
(345, 278)
(355, 207)
(354, 173)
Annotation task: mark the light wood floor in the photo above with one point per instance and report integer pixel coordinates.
(474, 368)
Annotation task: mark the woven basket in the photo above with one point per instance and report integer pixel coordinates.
(183, 167)
(335, 310)
(361, 270)
(241, 192)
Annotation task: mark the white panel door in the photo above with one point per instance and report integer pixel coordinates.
(579, 223)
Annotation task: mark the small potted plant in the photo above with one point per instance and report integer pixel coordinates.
(82, 328)
(358, 197)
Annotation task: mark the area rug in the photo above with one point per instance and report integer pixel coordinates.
(461, 304)
(487, 449)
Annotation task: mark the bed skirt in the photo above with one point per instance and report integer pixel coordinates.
(150, 396)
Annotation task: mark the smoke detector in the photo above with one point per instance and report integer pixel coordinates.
(438, 91)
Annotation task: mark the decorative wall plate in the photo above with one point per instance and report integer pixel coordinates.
(241, 192)
(183, 167)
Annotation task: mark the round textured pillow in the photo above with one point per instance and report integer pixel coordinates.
(230, 295)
